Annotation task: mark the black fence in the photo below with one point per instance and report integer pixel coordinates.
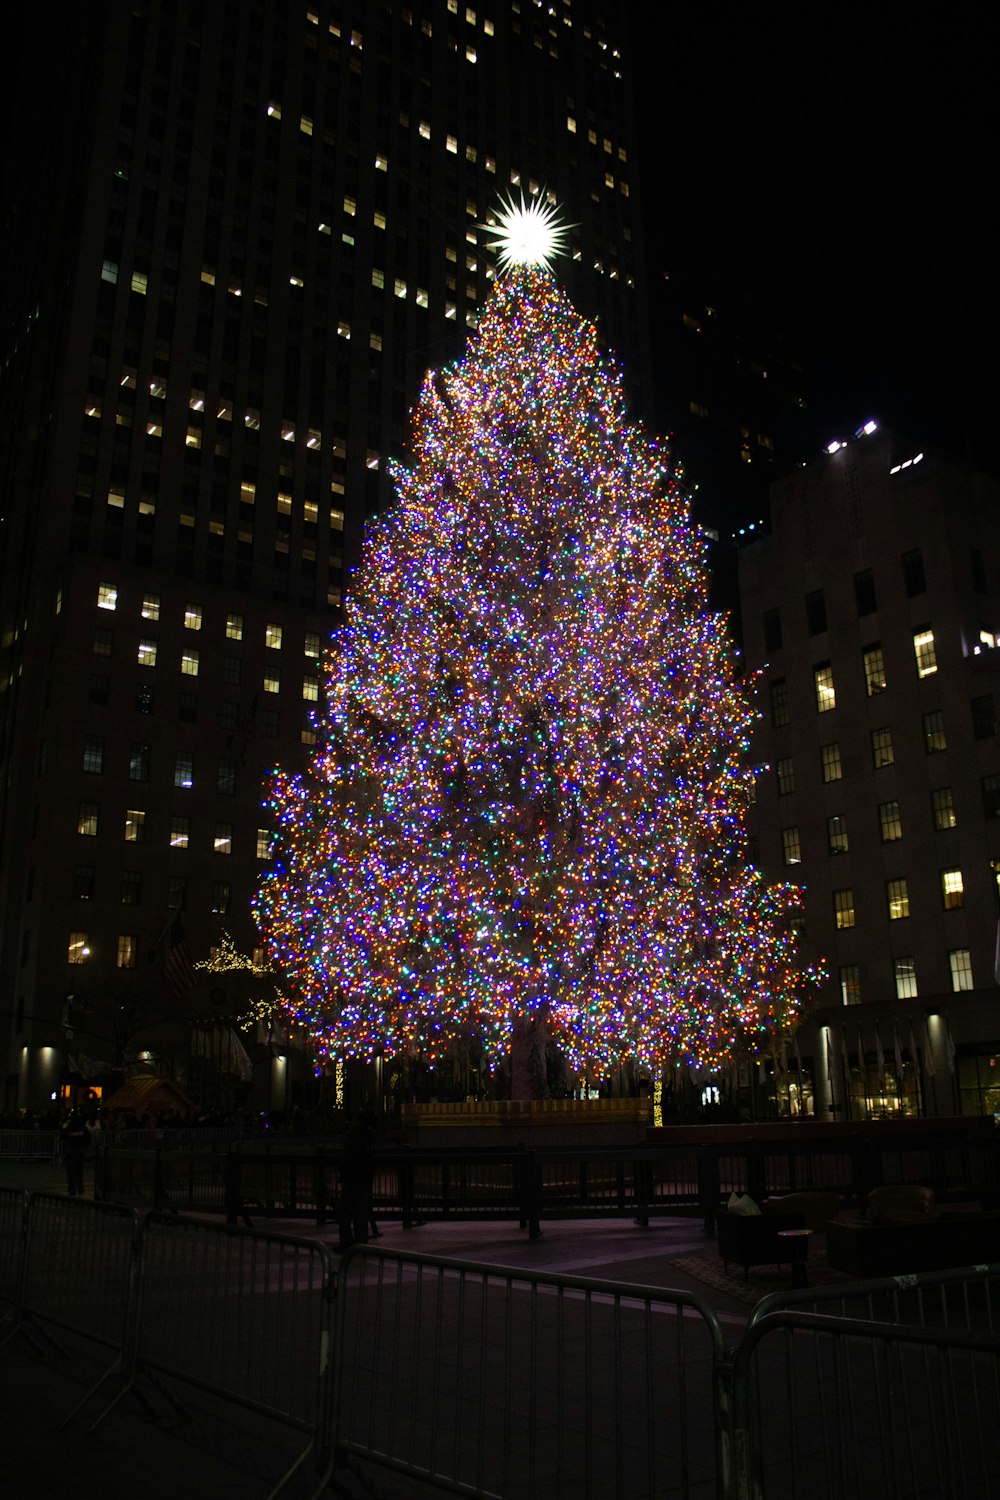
(417, 1184)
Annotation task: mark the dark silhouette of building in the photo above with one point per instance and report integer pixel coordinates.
(236, 236)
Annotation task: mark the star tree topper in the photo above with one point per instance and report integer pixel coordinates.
(528, 233)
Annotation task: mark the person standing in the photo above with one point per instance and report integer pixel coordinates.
(75, 1139)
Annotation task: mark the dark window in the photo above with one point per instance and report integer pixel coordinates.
(991, 796)
(943, 808)
(231, 670)
(103, 640)
(131, 887)
(187, 708)
(83, 882)
(100, 689)
(864, 592)
(779, 702)
(914, 581)
(93, 754)
(138, 763)
(177, 888)
(144, 697)
(816, 612)
(984, 717)
(221, 892)
(772, 629)
(934, 735)
(227, 777)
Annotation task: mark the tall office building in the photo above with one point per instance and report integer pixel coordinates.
(237, 235)
(873, 614)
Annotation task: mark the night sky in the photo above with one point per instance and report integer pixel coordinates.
(840, 168)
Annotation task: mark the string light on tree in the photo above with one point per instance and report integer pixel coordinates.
(523, 821)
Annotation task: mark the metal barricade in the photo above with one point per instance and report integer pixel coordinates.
(78, 1259)
(29, 1145)
(967, 1299)
(245, 1316)
(833, 1408)
(516, 1384)
(13, 1204)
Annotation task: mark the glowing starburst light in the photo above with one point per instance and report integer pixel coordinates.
(529, 233)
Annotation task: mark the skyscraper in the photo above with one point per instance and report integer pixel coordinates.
(872, 612)
(237, 236)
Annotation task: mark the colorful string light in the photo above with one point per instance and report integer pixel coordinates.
(529, 788)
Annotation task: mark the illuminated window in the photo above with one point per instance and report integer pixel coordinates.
(263, 843)
(943, 808)
(882, 751)
(850, 984)
(843, 908)
(189, 663)
(791, 847)
(310, 689)
(874, 670)
(223, 840)
(960, 963)
(826, 697)
(184, 769)
(830, 762)
(311, 646)
(952, 889)
(234, 627)
(78, 950)
(135, 825)
(836, 834)
(272, 637)
(151, 607)
(889, 823)
(180, 833)
(779, 702)
(147, 654)
(107, 596)
(785, 773)
(934, 735)
(125, 958)
(86, 821)
(923, 650)
(192, 617)
(272, 680)
(905, 974)
(897, 899)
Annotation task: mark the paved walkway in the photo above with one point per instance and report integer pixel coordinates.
(220, 1453)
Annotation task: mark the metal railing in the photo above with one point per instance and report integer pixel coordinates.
(425, 1183)
(489, 1381)
(967, 1299)
(29, 1145)
(838, 1407)
(486, 1381)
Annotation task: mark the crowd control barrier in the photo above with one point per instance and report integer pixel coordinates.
(837, 1407)
(511, 1383)
(518, 1384)
(966, 1299)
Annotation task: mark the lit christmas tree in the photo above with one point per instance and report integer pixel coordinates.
(524, 817)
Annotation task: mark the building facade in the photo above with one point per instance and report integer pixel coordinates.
(872, 614)
(237, 236)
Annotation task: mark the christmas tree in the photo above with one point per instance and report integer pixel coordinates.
(524, 816)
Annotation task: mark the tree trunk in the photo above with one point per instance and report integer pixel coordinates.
(527, 1057)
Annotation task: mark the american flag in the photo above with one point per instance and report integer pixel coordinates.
(177, 968)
